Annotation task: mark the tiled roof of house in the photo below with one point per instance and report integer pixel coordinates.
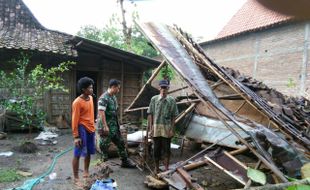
(19, 29)
(252, 16)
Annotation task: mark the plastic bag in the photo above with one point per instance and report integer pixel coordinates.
(103, 185)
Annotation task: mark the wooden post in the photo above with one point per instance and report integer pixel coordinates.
(305, 60)
(122, 93)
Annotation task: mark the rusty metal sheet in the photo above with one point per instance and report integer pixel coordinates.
(178, 57)
(212, 130)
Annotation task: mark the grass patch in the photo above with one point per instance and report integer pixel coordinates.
(95, 162)
(9, 175)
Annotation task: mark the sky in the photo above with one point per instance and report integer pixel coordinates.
(201, 18)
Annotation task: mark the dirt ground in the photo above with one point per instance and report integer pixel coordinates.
(127, 179)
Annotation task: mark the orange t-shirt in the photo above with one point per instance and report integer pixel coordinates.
(83, 113)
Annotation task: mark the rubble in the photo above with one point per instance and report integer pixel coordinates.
(262, 120)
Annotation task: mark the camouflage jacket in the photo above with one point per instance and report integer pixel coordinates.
(108, 104)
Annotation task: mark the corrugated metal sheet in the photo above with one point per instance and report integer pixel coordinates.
(212, 130)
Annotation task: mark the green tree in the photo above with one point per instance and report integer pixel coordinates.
(112, 34)
(117, 34)
(26, 86)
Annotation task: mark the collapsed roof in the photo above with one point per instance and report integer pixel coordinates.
(212, 85)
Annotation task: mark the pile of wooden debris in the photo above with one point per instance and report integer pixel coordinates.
(223, 107)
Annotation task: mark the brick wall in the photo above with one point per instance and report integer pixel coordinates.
(277, 56)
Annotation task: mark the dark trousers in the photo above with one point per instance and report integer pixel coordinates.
(161, 147)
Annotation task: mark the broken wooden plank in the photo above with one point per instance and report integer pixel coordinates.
(223, 165)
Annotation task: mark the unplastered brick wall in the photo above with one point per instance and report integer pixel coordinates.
(277, 56)
(59, 103)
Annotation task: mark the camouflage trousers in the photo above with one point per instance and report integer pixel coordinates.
(115, 137)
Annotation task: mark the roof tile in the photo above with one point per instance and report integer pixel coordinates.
(19, 29)
(252, 16)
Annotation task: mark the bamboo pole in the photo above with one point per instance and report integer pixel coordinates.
(216, 84)
(239, 108)
(147, 83)
(238, 151)
(178, 103)
(185, 112)
(178, 89)
(230, 97)
(122, 92)
(195, 165)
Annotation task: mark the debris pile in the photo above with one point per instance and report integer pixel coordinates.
(272, 127)
(295, 110)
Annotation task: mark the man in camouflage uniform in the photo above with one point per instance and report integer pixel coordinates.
(108, 126)
(161, 120)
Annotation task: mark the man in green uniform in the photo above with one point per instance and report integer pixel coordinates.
(161, 119)
(108, 126)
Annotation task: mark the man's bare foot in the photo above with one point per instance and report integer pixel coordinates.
(78, 184)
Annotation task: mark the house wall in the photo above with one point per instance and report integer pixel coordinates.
(277, 56)
(57, 103)
(131, 83)
(128, 73)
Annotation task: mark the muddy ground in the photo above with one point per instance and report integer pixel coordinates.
(127, 179)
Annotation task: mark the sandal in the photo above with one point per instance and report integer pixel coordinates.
(78, 184)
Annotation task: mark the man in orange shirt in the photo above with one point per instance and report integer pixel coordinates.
(83, 128)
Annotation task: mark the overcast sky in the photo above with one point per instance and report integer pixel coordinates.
(201, 18)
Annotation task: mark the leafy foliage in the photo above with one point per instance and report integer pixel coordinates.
(291, 83)
(8, 175)
(256, 176)
(167, 72)
(27, 85)
(111, 34)
(298, 187)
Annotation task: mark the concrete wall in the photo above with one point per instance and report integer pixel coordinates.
(278, 56)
